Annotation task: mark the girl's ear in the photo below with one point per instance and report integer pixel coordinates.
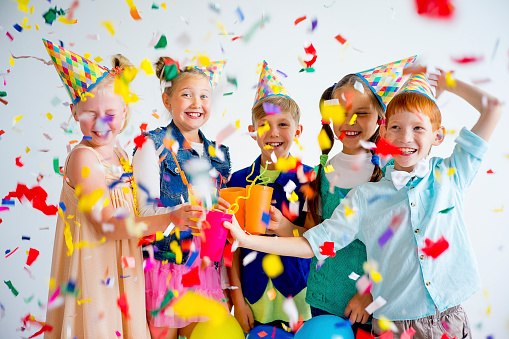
(439, 136)
(74, 114)
(251, 129)
(166, 101)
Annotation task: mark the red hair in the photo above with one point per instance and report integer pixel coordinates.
(417, 103)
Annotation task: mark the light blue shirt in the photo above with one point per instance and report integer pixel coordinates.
(412, 283)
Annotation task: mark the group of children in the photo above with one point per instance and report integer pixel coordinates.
(352, 206)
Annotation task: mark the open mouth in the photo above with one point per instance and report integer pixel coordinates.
(407, 151)
(194, 115)
(273, 145)
(101, 134)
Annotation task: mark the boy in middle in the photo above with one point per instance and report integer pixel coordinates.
(253, 300)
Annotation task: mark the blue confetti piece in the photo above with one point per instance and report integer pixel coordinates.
(377, 197)
(8, 202)
(125, 276)
(62, 206)
(385, 237)
(266, 218)
(271, 108)
(24, 237)
(87, 138)
(241, 15)
(61, 43)
(313, 24)
(17, 27)
(191, 259)
(283, 74)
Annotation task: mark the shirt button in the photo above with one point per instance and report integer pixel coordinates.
(412, 204)
(422, 257)
(412, 187)
(176, 169)
(427, 283)
(417, 230)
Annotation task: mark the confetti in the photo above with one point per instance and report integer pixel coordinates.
(162, 43)
(18, 162)
(375, 305)
(271, 108)
(434, 249)
(240, 14)
(298, 20)
(146, 66)
(249, 258)
(467, 59)
(133, 11)
(447, 210)
(32, 256)
(340, 39)
(449, 80)
(124, 307)
(437, 9)
(192, 278)
(11, 287)
(327, 249)
(109, 26)
(36, 195)
(272, 265)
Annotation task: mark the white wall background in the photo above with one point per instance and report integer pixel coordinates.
(377, 31)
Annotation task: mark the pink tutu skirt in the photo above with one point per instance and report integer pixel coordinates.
(156, 288)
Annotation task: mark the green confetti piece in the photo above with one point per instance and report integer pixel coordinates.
(56, 166)
(27, 300)
(162, 42)
(225, 94)
(170, 72)
(308, 70)
(55, 101)
(13, 290)
(232, 81)
(446, 210)
(154, 6)
(51, 15)
(167, 298)
(246, 37)
(3, 94)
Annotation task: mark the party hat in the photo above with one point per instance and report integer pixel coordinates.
(420, 84)
(385, 80)
(269, 85)
(213, 71)
(79, 75)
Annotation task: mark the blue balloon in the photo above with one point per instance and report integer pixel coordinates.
(279, 333)
(325, 327)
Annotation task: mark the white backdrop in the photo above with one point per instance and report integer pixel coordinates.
(377, 32)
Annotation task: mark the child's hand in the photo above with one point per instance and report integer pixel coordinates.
(275, 220)
(244, 316)
(356, 308)
(222, 205)
(438, 80)
(181, 217)
(235, 230)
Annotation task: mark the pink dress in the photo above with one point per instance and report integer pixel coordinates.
(157, 284)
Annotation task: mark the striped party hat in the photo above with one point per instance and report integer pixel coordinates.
(418, 83)
(269, 85)
(213, 71)
(385, 80)
(79, 75)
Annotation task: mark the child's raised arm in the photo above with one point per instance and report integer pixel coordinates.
(488, 106)
(287, 246)
(96, 181)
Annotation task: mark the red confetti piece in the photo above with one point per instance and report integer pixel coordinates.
(310, 49)
(302, 18)
(310, 62)
(385, 148)
(434, 249)
(2, 132)
(489, 172)
(32, 256)
(349, 99)
(228, 255)
(45, 328)
(3, 101)
(237, 37)
(18, 162)
(287, 213)
(342, 135)
(327, 249)
(36, 195)
(123, 305)
(140, 140)
(467, 60)
(340, 39)
(10, 253)
(191, 278)
(435, 8)
(9, 36)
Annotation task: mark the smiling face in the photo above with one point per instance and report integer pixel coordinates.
(279, 139)
(190, 104)
(101, 117)
(413, 133)
(365, 123)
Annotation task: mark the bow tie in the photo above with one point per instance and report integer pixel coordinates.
(401, 178)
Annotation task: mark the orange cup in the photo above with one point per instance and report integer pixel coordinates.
(230, 194)
(257, 203)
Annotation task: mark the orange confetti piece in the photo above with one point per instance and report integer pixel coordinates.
(302, 18)
(271, 294)
(155, 115)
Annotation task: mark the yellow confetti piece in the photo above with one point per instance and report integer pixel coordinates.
(52, 283)
(286, 164)
(31, 10)
(348, 211)
(295, 232)
(293, 197)
(237, 126)
(264, 128)
(83, 244)
(438, 175)
(70, 216)
(175, 248)
(11, 61)
(98, 59)
(87, 55)
(323, 140)
(451, 171)
(384, 323)
(85, 171)
(24, 24)
(27, 150)
(23, 5)
(49, 116)
(272, 265)
(78, 189)
(17, 119)
(376, 276)
(499, 210)
(106, 202)
(82, 301)
(67, 234)
(298, 144)
(334, 112)
(163, 5)
(84, 96)
(328, 169)
(36, 26)
(271, 294)
(125, 189)
(352, 121)
(155, 115)
(159, 236)
(109, 26)
(121, 86)
(64, 20)
(87, 202)
(191, 304)
(268, 147)
(146, 66)
(221, 28)
(204, 60)
(224, 112)
(212, 151)
(449, 80)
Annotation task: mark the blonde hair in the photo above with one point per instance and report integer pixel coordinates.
(287, 104)
(107, 84)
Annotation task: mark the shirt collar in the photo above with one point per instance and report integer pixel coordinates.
(401, 178)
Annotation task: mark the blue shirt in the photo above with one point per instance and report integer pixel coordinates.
(412, 283)
(295, 275)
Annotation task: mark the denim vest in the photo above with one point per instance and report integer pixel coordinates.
(172, 187)
(295, 275)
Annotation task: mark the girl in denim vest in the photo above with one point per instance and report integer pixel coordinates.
(187, 96)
